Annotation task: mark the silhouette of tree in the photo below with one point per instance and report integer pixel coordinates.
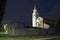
(2, 7)
(58, 26)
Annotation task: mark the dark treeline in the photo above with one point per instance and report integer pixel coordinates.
(2, 10)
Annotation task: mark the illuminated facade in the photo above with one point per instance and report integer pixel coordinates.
(35, 15)
(37, 21)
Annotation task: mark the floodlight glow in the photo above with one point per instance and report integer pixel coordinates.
(5, 28)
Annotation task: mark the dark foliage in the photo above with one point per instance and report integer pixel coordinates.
(2, 10)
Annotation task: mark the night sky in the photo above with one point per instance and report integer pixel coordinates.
(21, 10)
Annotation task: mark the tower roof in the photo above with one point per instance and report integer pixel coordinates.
(35, 10)
(35, 7)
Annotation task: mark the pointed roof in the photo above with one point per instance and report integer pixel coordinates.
(34, 6)
(35, 10)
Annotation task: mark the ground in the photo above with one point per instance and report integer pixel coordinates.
(6, 37)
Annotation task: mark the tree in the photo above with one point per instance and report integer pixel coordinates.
(2, 10)
(57, 26)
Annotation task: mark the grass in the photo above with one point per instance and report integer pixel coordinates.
(46, 37)
(6, 37)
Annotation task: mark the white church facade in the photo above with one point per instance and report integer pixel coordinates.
(37, 21)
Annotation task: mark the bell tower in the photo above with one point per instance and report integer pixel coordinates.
(35, 15)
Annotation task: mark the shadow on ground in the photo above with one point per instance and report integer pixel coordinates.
(58, 38)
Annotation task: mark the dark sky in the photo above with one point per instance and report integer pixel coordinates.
(21, 10)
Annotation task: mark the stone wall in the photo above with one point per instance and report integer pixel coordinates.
(13, 29)
(24, 31)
